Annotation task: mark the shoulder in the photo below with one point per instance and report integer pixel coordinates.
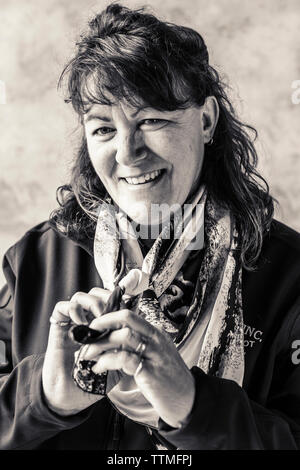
(279, 259)
(36, 235)
(42, 242)
(278, 266)
(272, 289)
(281, 250)
(284, 237)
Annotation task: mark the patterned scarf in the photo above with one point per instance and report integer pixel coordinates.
(207, 329)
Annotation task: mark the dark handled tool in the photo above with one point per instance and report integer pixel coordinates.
(85, 335)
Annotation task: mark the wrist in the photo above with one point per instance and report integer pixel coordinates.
(183, 410)
(56, 409)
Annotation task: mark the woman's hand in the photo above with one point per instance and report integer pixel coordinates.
(62, 395)
(162, 376)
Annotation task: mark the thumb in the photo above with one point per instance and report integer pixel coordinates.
(113, 378)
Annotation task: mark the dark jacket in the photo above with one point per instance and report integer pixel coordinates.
(45, 267)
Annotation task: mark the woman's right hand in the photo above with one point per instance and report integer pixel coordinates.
(62, 395)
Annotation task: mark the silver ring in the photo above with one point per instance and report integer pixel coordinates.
(139, 367)
(140, 348)
(53, 321)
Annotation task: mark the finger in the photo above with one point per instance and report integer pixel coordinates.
(126, 361)
(126, 339)
(80, 353)
(59, 328)
(123, 318)
(101, 293)
(61, 311)
(77, 314)
(91, 303)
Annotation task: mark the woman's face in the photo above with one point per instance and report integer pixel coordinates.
(144, 156)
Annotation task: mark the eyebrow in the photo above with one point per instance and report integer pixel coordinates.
(139, 109)
(90, 117)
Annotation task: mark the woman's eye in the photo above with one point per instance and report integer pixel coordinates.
(103, 130)
(153, 124)
(153, 121)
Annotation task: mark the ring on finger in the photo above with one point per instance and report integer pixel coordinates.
(141, 347)
(53, 321)
(130, 336)
(139, 367)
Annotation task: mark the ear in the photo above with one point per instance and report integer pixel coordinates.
(210, 116)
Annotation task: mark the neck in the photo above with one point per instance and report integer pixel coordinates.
(148, 234)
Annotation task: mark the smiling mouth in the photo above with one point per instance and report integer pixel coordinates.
(145, 178)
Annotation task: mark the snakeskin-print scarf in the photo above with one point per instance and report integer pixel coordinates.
(207, 329)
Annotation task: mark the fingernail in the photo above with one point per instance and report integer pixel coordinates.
(97, 370)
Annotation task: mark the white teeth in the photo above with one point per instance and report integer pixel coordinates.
(144, 178)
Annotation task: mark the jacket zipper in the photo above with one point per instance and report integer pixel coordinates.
(118, 420)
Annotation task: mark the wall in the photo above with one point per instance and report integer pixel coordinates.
(254, 42)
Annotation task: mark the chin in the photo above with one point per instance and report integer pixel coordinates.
(139, 212)
(150, 213)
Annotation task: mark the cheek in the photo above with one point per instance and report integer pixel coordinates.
(170, 146)
(101, 159)
(187, 156)
(158, 143)
(195, 153)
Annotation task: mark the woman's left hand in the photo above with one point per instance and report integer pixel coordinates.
(163, 377)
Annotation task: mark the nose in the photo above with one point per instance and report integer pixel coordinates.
(130, 148)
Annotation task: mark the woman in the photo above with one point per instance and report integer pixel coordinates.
(165, 247)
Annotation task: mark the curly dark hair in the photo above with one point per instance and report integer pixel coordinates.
(132, 55)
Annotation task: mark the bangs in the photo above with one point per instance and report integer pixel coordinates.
(139, 59)
(136, 78)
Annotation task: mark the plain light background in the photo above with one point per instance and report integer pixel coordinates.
(255, 43)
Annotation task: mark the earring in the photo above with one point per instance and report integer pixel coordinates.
(210, 142)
